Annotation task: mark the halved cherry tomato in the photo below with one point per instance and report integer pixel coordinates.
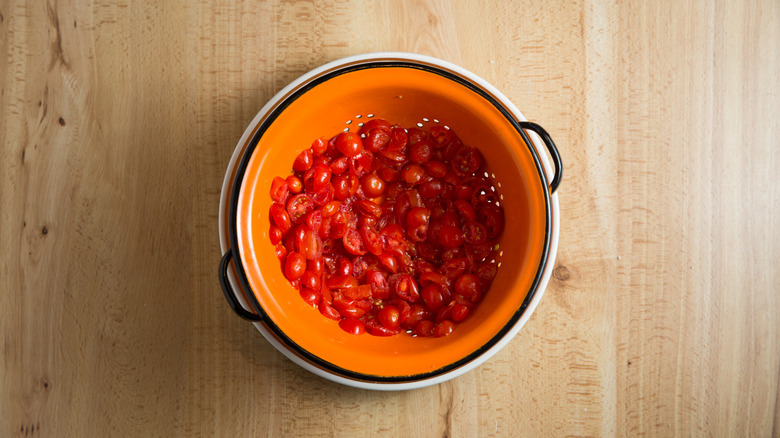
(353, 242)
(352, 326)
(349, 144)
(279, 190)
(298, 207)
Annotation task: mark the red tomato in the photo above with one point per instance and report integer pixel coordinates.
(389, 316)
(406, 288)
(424, 328)
(279, 190)
(492, 217)
(459, 312)
(303, 161)
(310, 296)
(319, 146)
(349, 144)
(294, 184)
(353, 242)
(299, 206)
(451, 237)
(352, 326)
(443, 328)
(295, 266)
(280, 217)
(373, 185)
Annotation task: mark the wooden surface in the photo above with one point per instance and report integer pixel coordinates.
(117, 121)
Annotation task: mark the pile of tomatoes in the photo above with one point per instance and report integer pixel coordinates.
(388, 229)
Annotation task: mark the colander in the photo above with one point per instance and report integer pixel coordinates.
(411, 90)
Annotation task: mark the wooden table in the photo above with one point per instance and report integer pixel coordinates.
(118, 119)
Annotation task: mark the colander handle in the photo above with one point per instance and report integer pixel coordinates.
(230, 294)
(556, 157)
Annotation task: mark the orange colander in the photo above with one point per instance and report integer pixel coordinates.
(409, 90)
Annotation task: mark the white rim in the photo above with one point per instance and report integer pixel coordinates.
(541, 151)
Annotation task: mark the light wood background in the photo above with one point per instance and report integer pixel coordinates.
(117, 121)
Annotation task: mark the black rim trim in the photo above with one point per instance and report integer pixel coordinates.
(241, 170)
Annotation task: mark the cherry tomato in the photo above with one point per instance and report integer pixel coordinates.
(353, 242)
(279, 190)
(451, 237)
(311, 280)
(319, 146)
(303, 161)
(294, 266)
(352, 326)
(280, 217)
(373, 185)
(380, 288)
(310, 296)
(298, 207)
(369, 208)
(492, 217)
(436, 169)
(467, 285)
(412, 173)
(372, 239)
(349, 144)
(330, 208)
(389, 316)
(443, 328)
(433, 296)
(474, 232)
(294, 184)
(388, 174)
(421, 152)
(459, 312)
(406, 288)
(424, 328)
(275, 235)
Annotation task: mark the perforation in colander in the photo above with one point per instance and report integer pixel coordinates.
(496, 186)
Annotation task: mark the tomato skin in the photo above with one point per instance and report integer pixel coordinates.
(369, 208)
(373, 185)
(311, 280)
(294, 266)
(349, 144)
(279, 190)
(424, 328)
(328, 311)
(474, 233)
(303, 161)
(375, 327)
(444, 328)
(319, 146)
(451, 237)
(412, 174)
(352, 326)
(492, 217)
(467, 285)
(376, 140)
(275, 235)
(433, 296)
(281, 218)
(294, 185)
(310, 296)
(389, 316)
(459, 312)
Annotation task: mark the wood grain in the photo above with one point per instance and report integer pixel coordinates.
(117, 121)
